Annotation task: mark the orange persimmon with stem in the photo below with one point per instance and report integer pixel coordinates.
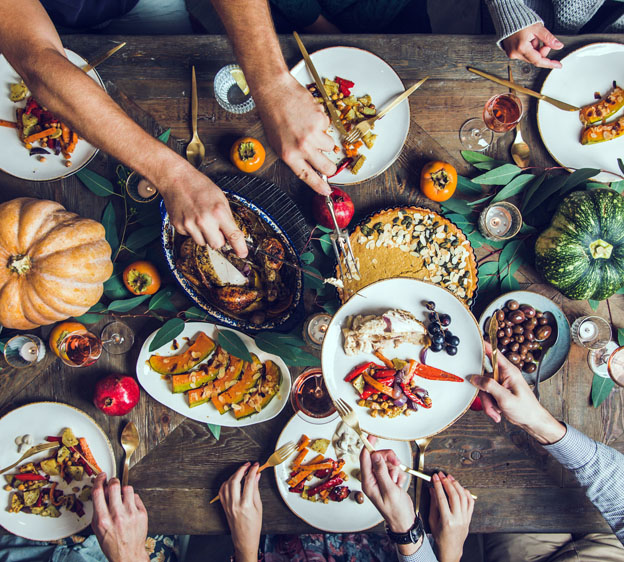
(141, 278)
(247, 154)
(438, 180)
(60, 331)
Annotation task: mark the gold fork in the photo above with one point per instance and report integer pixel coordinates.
(278, 457)
(422, 445)
(365, 126)
(32, 451)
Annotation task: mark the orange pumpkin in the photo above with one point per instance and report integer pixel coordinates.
(52, 263)
(438, 180)
(60, 331)
(141, 278)
(247, 154)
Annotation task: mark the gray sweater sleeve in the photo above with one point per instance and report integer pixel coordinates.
(423, 554)
(599, 470)
(510, 16)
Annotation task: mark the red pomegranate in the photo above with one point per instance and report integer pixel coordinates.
(343, 206)
(116, 395)
(476, 404)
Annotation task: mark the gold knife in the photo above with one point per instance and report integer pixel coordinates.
(333, 112)
(492, 332)
(557, 103)
(100, 60)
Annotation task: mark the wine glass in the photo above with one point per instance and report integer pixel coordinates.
(83, 348)
(117, 337)
(310, 399)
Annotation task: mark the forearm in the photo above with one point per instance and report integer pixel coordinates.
(510, 16)
(544, 427)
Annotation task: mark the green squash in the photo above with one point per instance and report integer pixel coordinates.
(581, 253)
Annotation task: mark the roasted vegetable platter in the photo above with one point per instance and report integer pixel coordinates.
(197, 378)
(578, 139)
(43, 422)
(338, 515)
(15, 158)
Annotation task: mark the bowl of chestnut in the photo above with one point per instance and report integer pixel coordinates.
(523, 327)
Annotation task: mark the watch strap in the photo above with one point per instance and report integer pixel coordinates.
(410, 537)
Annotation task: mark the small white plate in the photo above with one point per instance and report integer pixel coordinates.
(450, 399)
(14, 156)
(160, 389)
(374, 76)
(41, 419)
(346, 516)
(587, 70)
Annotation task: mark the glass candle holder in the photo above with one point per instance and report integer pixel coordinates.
(591, 332)
(500, 221)
(139, 189)
(315, 328)
(228, 93)
(24, 350)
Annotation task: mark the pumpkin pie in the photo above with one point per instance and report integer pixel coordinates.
(416, 243)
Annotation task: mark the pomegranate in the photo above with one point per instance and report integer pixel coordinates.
(116, 395)
(476, 404)
(343, 206)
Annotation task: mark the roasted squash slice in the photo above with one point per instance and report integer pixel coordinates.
(204, 374)
(267, 389)
(232, 374)
(201, 348)
(235, 394)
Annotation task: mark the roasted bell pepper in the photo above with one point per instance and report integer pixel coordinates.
(29, 477)
(387, 381)
(343, 164)
(358, 371)
(384, 359)
(367, 392)
(53, 439)
(384, 373)
(378, 386)
(331, 483)
(425, 403)
(435, 374)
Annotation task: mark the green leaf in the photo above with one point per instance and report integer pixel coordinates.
(326, 244)
(331, 307)
(95, 183)
(232, 343)
(91, 316)
(594, 304)
(167, 332)
(301, 358)
(488, 267)
(620, 164)
(215, 430)
(530, 191)
(307, 258)
(141, 237)
(498, 176)
(462, 222)
(478, 240)
(464, 185)
(509, 283)
(578, 177)
(165, 136)
(547, 190)
(109, 221)
(277, 339)
(471, 156)
(127, 304)
(617, 186)
(621, 336)
(488, 165)
(509, 254)
(601, 388)
(195, 313)
(114, 287)
(527, 229)
(514, 187)
(324, 228)
(3, 343)
(479, 201)
(488, 276)
(162, 300)
(311, 281)
(457, 206)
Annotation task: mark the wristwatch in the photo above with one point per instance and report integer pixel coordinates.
(412, 536)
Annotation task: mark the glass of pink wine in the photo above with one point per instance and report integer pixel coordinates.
(83, 348)
(501, 113)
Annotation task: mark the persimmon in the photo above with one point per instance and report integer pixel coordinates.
(61, 331)
(141, 278)
(247, 154)
(438, 180)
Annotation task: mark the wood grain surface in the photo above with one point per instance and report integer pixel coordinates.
(179, 465)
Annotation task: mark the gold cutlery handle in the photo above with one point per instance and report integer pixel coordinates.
(126, 469)
(194, 102)
(396, 101)
(416, 473)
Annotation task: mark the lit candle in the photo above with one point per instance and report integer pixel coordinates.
(498, 221)
(316, 328)
(588, 330)
(145, 189)
(29, 351)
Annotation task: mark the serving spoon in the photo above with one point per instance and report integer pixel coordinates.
(195, 150)
(129, 441)
(520, 151)
(547, 345)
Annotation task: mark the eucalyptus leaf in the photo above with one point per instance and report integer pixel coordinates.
(620, 291)
(617, 186)
(279, 339)
(471, 156)
(324, 228)
(457, 206)
(548, 189)
(462, 222)
(127, 304)
(95, 183)
(514, 187)
(621, 336)
(488, 267)
(109, 222)
(477, 237)
(509, 254)
(114, 287)
(594, 304)
(488, 165)
(162, 300)
(326, 244)
(595, 185)
(142, 237)
(91, 316)
(527, 229)
(215, 430)
(498, 176)
(331, 307)
(488, 283)
(231, 342)
(3, 343)
(530, 190)
(164, 137)
(311, 281)
(621, 165)
(195, 313)
(464, 185)
(576, 178)
(601, 388)
(479, 201)
(509, 283)
(307, 258)
(168, 331)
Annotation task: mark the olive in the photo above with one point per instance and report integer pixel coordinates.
(524, 348)
(512, 305)
(529, 323)
(517, 317)
(523, 356)
(503, 350)
(529, 335)
(514, 346)
(529, 357)
(518, 329)
(513, 357)
(542, 321)
(500, 315)
(519, 338)
(359, 497)
(528, 310)
(500, 334)
(505, 341)
(530, 367)
(521, 364)
(537, 353)
(508, 331)
(543, 332)
(505, 309)
(538, 314)
(509, 323)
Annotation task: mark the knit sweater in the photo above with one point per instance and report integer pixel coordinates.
(559, 16)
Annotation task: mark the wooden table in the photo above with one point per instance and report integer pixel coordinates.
(179, 465)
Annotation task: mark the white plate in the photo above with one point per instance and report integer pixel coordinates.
(346, 516)
(372, 76)
(160, 389)
(450, 399)
(14, 157)
(587, 70)
(41, 419)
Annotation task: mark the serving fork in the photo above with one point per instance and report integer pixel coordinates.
(32, 451)
(278, 457)
(365, 126)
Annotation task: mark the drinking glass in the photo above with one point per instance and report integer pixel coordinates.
(310, 399)
(117, 337)
(83, 348)
(228, 94)
(608, 362)
(591, 332)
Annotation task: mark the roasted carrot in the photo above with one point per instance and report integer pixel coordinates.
(41, 134)
(303, 442)
(87, 454)
(319, 466)
(338, 468)
(66, 133)
(304, 471)
(9, 124)
(72, 144)
(384, 359)
(299, 458)
(317, 459)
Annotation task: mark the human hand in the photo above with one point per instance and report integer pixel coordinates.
(119, 520)
(243, 510)
(532, 44)
(296, 129)
(449, 516)
(514, 399)
(199, 209)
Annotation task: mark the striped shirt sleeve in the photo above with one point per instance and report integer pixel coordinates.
(510, 16)
(423, 554)
(600, 472)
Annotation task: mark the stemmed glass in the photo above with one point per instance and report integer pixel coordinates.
(83, 348)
